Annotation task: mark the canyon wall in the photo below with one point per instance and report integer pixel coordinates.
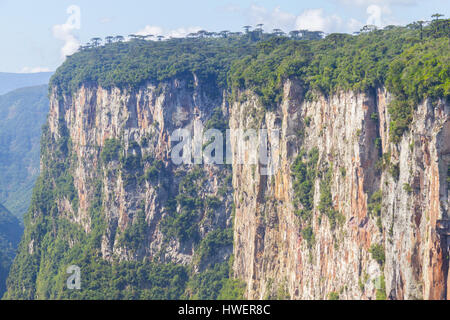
(356, 159)
(371, 229)
(142, 122)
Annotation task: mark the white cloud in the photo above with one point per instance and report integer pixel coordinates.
(379, 11)
(317, 20)
(282, 18)
(153, 30)
(159, 31)
(380, 16)
(374, 13)
(271, 19)
(310, 19)
(34, 70)
(65, 32)
(354, 25)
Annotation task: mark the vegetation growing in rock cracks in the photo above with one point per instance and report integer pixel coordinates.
(412, 63)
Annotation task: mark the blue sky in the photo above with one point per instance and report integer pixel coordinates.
(36, 35)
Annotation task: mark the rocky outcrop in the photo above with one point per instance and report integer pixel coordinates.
(371, 229)
(351, 134)
(141, 122)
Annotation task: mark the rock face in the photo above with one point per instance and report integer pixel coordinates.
(141, 122)
(351, 134)
(371, 229)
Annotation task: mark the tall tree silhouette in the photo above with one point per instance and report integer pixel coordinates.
(436, 16)
(295, 34)
(278, 32)
(96, 41)
(224, 33)
(119, 38)
(109, 39)
(438, 24)
(202, 33)
(419, 26)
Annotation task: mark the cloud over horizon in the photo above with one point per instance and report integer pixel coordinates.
(271, 19)
(65, 32)
(378, 12)
(34, 70)
(315, 19)
(159, 31)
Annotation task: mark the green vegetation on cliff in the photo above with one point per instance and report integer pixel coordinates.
(10, 233)
(412, 63)
(52, 241)
(22, 113)
(133, 64)
(448, 176)
(411, 66)
(304, 172)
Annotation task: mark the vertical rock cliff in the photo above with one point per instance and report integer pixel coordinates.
(352, 204)
(110, 191)
(140, 178)
(381, 234)
(367, 193)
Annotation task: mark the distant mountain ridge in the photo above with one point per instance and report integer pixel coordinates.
(13, 81)
(22, 114)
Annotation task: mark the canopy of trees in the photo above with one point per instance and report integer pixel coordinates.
(412, 61)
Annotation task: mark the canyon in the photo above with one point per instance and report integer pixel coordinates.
(353, 204)
(270, 252)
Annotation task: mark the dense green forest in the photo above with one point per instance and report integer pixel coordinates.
(148, 279)
(412, 62)
(10, 234)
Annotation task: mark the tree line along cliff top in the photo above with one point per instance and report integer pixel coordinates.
(260, 60)
(412, 62)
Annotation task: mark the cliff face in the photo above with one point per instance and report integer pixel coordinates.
(109, 189)
(358, 168)
(141, 122)
(368, 230)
